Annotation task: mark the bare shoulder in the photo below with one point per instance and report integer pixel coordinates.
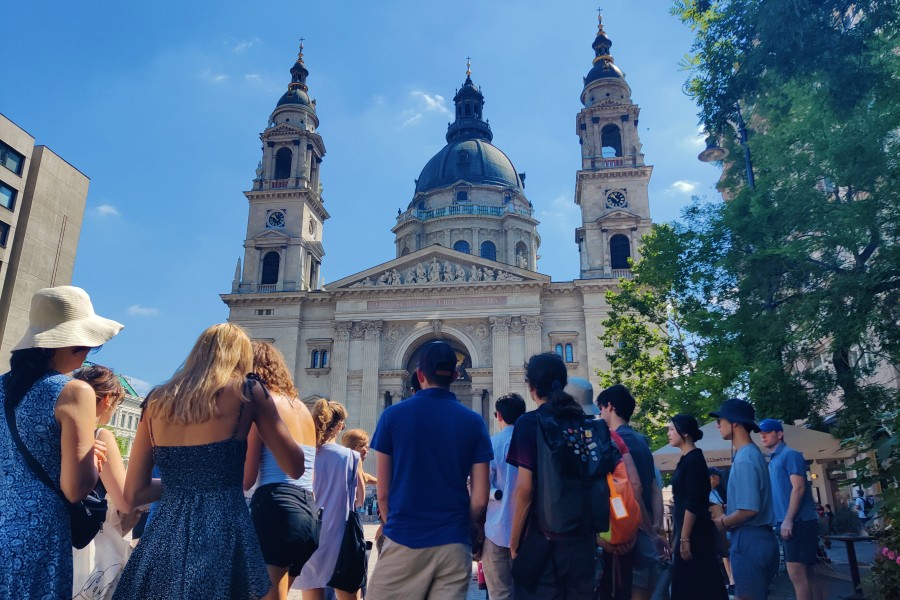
(105, 435)
(74, 391)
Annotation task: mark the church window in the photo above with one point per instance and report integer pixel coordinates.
(324, 359)
(405, 251)
(488, 250)
(468, 110)
(271, 262)
(619, 251)
(611, 141)
(264, 312)
(559, 350)
(283, 160)
(314, 361)
(570, 356)
(462, 196)
(421, 205)
(461, 246)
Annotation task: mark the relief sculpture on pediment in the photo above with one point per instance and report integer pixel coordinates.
(435, 271)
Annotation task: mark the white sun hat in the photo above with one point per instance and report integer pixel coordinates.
(64, 316)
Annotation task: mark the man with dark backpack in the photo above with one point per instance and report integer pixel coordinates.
(561, 498)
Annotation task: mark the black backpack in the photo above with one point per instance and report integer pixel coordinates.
(574, 455)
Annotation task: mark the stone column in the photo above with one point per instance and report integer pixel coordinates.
(476, 241)
(533, 338)
(371, 356)
(500, 357)
(340, 361)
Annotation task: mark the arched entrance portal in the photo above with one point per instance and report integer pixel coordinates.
(462, 387)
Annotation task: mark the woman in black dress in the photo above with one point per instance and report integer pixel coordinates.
(697, 573)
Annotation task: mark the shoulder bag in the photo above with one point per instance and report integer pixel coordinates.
(350, 570)
(85, 517)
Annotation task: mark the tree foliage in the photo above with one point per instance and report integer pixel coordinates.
(807, 264)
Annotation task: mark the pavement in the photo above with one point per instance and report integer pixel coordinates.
(835, 577)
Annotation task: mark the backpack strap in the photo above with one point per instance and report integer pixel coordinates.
(39, 471)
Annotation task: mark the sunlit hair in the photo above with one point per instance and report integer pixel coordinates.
(269, 364)
(220, 359)
(354, 438)
(103, 380)
(327, 416)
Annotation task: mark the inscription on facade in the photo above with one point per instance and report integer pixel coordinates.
(436, 302)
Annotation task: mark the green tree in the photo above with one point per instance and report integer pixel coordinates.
(121, 442)
(806, 263)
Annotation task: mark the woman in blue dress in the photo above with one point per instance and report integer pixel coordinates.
(55, 418)
(200, 542)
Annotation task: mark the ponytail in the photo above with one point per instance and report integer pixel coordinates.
(327, 415)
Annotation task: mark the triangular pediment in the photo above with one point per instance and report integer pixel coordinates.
(437, 266)
(282, 129)
(619, 215)
(270, 236)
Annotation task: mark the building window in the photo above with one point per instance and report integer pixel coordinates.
(488, 251)
(314, 360)
(462, 246)
(283, 159)
(319, 356)
(619, 251)
(405, 251)
(11, 159)
(462, 196)
(4, 233)
(264, 312)
(324, 359)
(7, 197)
(611, 141)
(559, 350)
(570, 356)
(271, 262)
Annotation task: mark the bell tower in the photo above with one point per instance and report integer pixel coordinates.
(283, 248)
(611, 186)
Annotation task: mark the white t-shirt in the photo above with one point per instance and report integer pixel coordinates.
(861, 508)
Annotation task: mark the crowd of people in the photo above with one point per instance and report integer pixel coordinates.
(563, 502)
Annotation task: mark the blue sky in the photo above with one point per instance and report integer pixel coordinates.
(161, 105)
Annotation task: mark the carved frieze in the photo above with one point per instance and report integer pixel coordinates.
(436, 271)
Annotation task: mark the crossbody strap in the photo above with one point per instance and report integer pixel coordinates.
(39, 471)
(352, 482)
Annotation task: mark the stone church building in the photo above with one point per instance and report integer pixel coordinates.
(466, 250)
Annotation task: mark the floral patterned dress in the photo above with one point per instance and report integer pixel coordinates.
(35, 536)
(200, 542)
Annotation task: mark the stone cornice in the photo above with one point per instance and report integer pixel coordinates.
(256, 299)
(440, 289)
(615, 173)
(303, 194)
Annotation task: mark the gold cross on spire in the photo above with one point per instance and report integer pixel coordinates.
(468, 66)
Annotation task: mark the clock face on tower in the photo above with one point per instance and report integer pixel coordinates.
(616, 199)
(275, 219)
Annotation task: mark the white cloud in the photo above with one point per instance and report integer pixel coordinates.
(696, 141)
(431, 102)
(142, 311)
(561, 216)
(683, 186)
(107, 210)
(244, 45)
(140, 386)
(413, 119)
(253, 77)
(208, 75)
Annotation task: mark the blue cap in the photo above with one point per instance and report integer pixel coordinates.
(770, 425)
(737, 411)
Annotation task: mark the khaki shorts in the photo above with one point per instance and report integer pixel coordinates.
(435, 573)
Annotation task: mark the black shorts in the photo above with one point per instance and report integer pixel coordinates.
(802, 546)
(287, 525)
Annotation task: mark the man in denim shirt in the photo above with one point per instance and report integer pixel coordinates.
(795, 511)
(495, 556)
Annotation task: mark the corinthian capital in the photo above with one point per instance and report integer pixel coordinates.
(342, 330)
(372, 329)
(533, 323)
(500, 325)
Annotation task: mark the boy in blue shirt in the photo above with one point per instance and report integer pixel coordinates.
(426, 448)
(750, 517)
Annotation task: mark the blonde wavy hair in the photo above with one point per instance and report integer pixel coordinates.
(269, 364)
(219, 360)
(327, 416)
(354, 439)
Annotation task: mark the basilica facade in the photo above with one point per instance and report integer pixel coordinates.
(466, 256)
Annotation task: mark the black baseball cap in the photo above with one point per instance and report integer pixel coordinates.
(438, 360)
(737, 411)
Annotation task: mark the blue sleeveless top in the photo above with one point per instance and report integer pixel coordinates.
(270, 472)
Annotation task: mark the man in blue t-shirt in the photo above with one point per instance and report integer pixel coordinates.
(426, 448)
(750, 517)
(795, 511)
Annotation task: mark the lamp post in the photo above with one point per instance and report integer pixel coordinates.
(715, 153)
